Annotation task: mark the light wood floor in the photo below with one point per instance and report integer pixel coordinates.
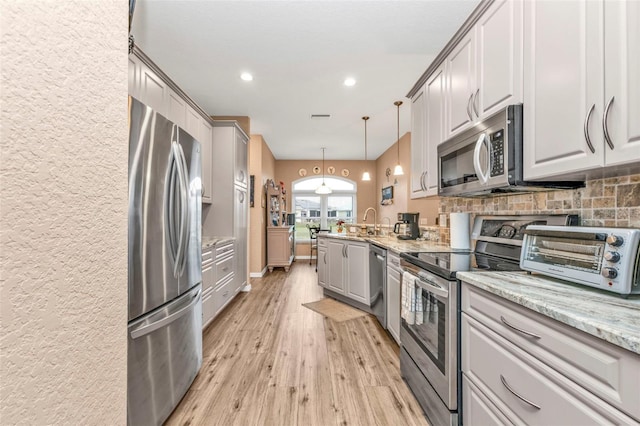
(268, 360)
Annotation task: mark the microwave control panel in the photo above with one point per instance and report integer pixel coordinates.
(496, 142)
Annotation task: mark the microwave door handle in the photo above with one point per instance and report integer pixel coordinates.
(482, 177)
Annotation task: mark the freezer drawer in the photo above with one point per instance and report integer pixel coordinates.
(164, 355)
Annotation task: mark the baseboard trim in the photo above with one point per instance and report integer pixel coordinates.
(258, 274)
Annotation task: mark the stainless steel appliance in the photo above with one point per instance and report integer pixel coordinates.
(487, 158)
(407, 228)
(604, 258)
(429, 335)
(377, 283)
(165, 311)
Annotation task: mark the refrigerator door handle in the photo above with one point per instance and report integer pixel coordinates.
(145, 329)
(184, 211)
(169, 208)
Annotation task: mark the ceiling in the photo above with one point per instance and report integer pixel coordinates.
(300, 53)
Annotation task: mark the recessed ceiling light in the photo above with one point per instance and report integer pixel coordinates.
(350, 81)
(246, 76)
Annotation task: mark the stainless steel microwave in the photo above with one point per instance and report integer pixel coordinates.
(487, 159)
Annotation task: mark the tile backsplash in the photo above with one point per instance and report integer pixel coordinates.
(602, 202)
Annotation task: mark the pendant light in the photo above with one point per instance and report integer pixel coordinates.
(365, 175)
(323, 189)
(397, 171)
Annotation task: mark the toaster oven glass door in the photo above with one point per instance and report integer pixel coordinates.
(569, 253)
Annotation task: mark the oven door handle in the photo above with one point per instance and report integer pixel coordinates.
(432, 287)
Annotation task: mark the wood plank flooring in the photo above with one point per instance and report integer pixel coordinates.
(268, 360)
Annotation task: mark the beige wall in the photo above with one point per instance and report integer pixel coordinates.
(262, 166)
(427, 207)
(63, 212)
(287, 172)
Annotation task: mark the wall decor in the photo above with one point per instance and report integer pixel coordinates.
(302, 172)
(331, 170)
(345, 172)
(316, 170)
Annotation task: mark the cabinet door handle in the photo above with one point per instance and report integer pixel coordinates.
(586, 129)
(324, 258)
(469, 107)
(475, 100)
(525, 332)
(520, 397)
(605, 127)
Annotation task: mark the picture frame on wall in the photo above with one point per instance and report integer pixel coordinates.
(387, 196)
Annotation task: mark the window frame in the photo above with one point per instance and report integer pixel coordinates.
(324, 200)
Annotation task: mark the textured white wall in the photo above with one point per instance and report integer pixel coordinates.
(63, 212)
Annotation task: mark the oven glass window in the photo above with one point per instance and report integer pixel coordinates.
(429, 328)
(575, 254)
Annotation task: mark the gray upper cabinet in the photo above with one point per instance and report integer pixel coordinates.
(151, 86)
(461, 85)
(582, 93)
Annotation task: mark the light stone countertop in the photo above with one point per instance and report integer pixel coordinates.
(392, 243)
(605, 315)
(208, 242)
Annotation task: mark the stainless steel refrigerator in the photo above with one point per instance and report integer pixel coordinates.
(165, 276)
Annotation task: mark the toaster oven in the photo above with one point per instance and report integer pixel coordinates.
(604, 258)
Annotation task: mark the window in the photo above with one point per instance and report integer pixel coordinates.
(322, 210)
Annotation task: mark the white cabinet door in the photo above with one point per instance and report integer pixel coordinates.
(435, 128)
(418, 144)
(206, 143)
(563, 87)
(499, 50)
(322, 266)
(240, 233)
(153, 91)
(335, 266)
(622, 81)
(357, 258)
(393, 302)
(134, 76)
(178, 111)
(241, 158)
(461, 86)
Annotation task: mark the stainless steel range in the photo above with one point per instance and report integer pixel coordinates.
(430, 351)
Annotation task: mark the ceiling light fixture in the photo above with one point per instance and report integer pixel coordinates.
(365, 175)
(246, 76)
(350, 82)
(397, 171)
(323, 189)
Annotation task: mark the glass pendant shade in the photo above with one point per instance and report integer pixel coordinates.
(323, 189)
(366, 176)
(397, 171)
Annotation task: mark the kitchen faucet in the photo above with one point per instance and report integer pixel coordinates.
(375, 215)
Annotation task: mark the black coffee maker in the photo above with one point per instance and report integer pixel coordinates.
(407, 228)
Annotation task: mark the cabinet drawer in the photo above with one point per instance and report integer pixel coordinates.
(478, 409)
(207, 256)
(222, 294)
(223, 269)
(322, 242)
(606, 370)
(208, 308)
(494, 365)
(224, 250)
(208, 277)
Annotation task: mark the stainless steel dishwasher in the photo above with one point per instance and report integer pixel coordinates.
(377, 283)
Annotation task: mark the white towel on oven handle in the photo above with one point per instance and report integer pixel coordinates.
(409, 298)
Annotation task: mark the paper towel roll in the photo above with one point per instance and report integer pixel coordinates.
(459, 224)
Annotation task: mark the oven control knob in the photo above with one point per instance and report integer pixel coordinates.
(612, 256)
(609, 273)
(615, 240)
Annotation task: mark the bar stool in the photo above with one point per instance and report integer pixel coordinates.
(313, 243)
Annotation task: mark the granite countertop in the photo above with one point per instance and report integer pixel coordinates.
(607, 316)
(392, 243)
(208, 242)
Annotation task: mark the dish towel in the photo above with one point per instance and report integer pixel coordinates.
(409, 298)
